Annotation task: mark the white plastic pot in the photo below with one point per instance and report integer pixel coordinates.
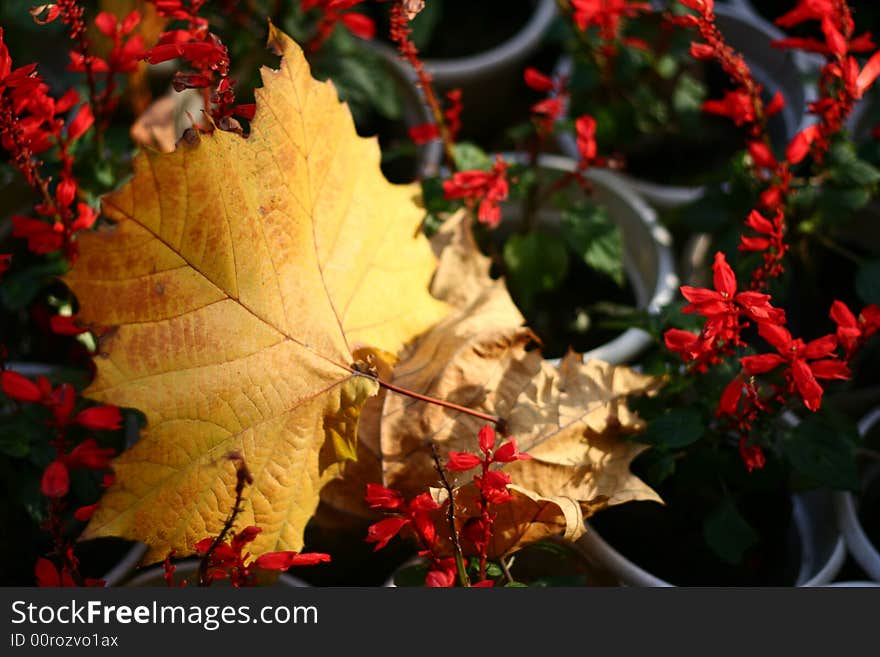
(866, 554)
(822, 551)
(647, 250)
(188, 570)
(776, 70)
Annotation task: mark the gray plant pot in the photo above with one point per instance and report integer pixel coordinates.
(188, 569)
(776, 70)
(498, 62)
(490, 79)
(866, 554)
(647, 247)
(822, 550)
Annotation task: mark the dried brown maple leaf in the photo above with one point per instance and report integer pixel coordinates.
(572, 418)
(243, 276)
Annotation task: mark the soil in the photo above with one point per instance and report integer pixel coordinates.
(462, 31)
(668, 542)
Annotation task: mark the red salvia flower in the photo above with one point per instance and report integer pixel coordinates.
(724, 306)
(806, 362)
(851, 332)
(752, 455)
(483, 188)
(585, 129)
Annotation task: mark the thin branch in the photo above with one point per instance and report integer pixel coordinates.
(450, 517)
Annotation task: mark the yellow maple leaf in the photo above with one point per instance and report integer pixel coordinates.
(241, 275)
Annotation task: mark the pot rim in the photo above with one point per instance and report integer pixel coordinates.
(630, 574)
(859, 544)
(460, 70)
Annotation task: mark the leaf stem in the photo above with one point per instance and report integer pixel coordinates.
(494, 419)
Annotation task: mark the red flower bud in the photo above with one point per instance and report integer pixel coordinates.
(56, 480)
(100, 417)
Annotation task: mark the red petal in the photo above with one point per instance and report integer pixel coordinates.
(106, 23)
(85, 513)
(821, 347)
(423, 133)
(776, 105)
(730, 398)
(868, 74)
(19, 387)
(778, 336)
(100, 418)
(759, 223)
(285, 560)
(462, 461)
(762, 155)
(83, 121)
(46, 573)
(807, 385)
(842, 315)
(384, 530)
(508, 452)
(830, 369)
(724, 279)
(65, 325)
(359, 25)
(88, 454)
(762, 363)
(799, 147)
(537, 80)
(486, 439)
(754, 243)
(379, 497)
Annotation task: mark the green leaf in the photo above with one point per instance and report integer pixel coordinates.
(534, 263)
(822, 448)
(856, 173)
(470, 157)
(728, 533)
(677, 428)
(493, 570)
(594, 236)
(411, 575)
(18, 289)
(868, 282)
(17, 432)
(425, 23)
(688, 96)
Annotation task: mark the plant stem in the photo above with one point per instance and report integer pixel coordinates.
(450, 518)
(839, 249)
